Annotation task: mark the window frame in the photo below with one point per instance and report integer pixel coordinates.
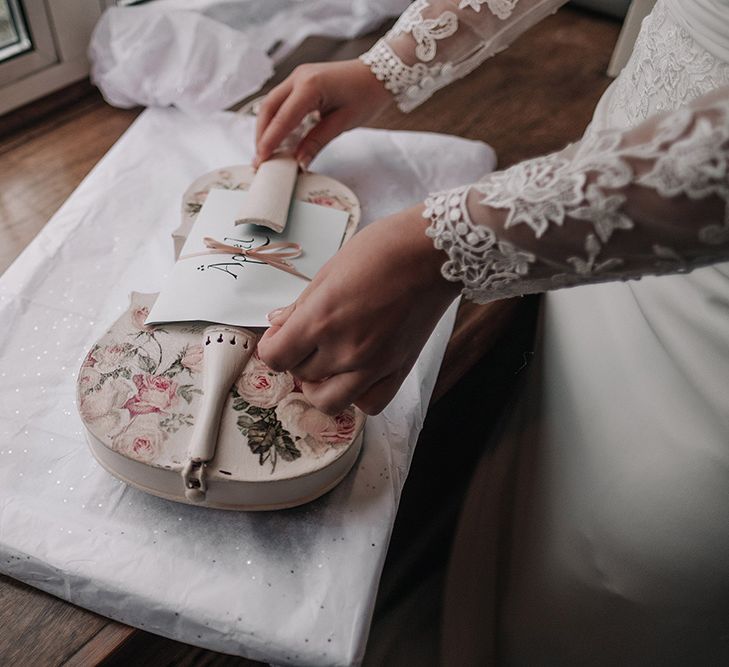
(23, 42)
(42, 51)
(61, 32)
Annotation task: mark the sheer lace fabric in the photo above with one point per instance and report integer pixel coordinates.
(618, 205)
(666, 70)
(438, 41)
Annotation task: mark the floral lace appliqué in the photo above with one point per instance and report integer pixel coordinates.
(536, 193)
(438, 64)
(688, 156)
(476, 256)
(410, 84)
(500, 8)
(425, 32)
(666, 71)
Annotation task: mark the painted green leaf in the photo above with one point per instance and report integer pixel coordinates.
(146, 363)
(245, 421)
(286, 449)
(187, 391)
(240, 404)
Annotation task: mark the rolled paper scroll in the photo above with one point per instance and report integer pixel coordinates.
(270, 193)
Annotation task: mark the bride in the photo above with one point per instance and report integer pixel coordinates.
(619, 537)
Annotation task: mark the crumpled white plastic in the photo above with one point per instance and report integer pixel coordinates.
(205, 55)
(290, 587)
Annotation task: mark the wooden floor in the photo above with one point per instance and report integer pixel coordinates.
(531, 99)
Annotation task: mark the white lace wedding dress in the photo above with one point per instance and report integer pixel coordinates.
(618, 549)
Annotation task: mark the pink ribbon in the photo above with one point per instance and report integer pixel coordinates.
(274, 254)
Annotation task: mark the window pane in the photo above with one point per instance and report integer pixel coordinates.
(13, 32)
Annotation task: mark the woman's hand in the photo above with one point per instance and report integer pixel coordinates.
(346, 94)
(356, 331)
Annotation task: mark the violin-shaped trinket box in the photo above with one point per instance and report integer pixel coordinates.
(188, 412)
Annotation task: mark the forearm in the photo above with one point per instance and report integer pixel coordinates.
(436, 42)
(616, 206)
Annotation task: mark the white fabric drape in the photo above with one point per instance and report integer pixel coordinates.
(206, 55)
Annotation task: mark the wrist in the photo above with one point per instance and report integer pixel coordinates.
(377, 95)
(424, 259)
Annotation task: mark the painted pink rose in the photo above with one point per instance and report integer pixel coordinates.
(88, 378)
(141, 440)
(193, 358)
(317, 432)
(261, 386)
(199, 197)
(103, 409)
(139, 315)
(343, 429)
(89, 361)
(110, 358)
(331, 202)
(155, 393)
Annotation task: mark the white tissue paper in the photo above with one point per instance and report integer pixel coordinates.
(205, 55)
(289, 587)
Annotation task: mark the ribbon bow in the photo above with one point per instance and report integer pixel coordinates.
(274, 254)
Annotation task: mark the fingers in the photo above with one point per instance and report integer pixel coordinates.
(333, 395)
(285, 347)
(286, 119)
(322, 133)
(375, 399)
(279, 316)
(270, 106)
(319, 366)
(337, 392)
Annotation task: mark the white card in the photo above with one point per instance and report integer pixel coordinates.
(236, 290)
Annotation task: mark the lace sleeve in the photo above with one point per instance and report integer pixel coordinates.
(437, 41)
(617, 205)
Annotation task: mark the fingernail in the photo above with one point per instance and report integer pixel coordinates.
(304, 162)
(274, 314)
